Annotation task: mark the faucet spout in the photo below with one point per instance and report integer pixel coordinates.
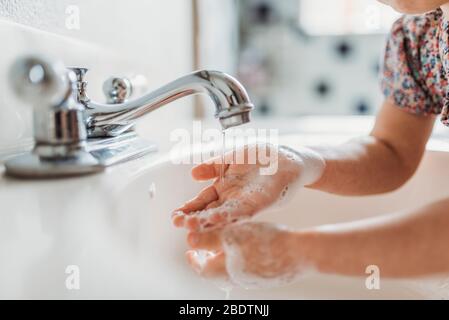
(232, 103)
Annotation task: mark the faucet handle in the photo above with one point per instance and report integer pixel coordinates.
(79, 72)
(40, 81)
(117, 90)
(81, 84)
(58, 119)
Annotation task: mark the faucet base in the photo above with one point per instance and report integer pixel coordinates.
(32, 166)
(115, 150)
(99, 154)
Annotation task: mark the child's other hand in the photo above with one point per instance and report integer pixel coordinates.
(250, 254)
(245, 190)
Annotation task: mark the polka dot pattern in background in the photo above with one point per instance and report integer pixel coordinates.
(292, 73)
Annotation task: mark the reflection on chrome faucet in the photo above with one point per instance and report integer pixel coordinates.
(75, 135)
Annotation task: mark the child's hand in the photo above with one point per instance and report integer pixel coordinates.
(250, 254)
(245, 190)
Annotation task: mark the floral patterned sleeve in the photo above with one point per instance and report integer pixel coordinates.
(412, 73)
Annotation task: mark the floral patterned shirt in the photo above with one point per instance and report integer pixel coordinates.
(416, 64)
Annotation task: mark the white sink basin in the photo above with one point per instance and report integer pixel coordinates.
(116, 228)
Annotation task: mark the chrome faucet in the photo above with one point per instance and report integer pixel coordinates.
(75, 135)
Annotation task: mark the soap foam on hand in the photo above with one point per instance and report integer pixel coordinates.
(259, 255)
(222, 282)
(262, 255)
(311, 163)
(215, 218)
(256, 246)
(297, 168)
(311, 167)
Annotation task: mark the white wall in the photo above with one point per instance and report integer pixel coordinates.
(218, 38)
(151, 37)
(219, 35)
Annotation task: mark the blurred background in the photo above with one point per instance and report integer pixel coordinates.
(296, 57)
(299, 57)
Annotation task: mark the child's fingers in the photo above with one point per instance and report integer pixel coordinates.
(200, 202)
(211, 169)
(207, 171)
(207, 264)
(216, 218)
(178, 219)
(205, 240)
(213, 205)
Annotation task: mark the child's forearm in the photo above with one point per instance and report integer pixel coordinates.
(381, 162)
(361, 167)
(408, 244)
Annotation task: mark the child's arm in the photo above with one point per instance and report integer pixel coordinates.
(380, 162)
(407, 244)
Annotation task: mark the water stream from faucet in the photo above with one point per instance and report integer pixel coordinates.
(223, 151)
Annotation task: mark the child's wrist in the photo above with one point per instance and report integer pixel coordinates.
(311, 163)
(309, 248)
